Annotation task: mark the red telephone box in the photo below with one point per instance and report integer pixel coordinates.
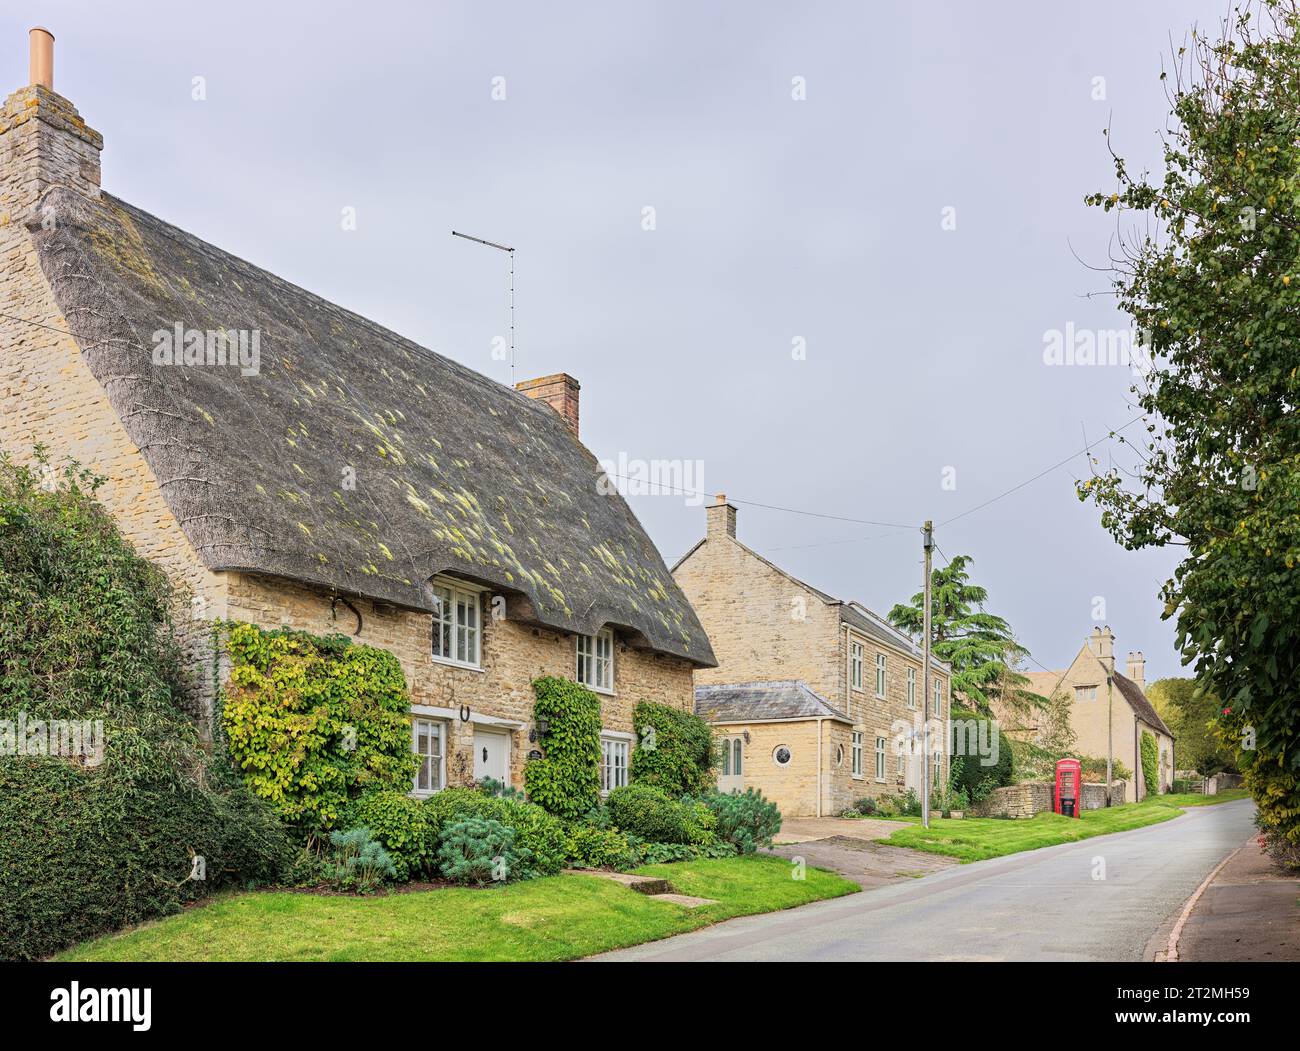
(1068, 798)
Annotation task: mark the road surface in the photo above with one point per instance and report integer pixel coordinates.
(1045, 904)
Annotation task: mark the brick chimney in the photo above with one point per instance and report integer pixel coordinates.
(43, 140)
(560, 392)
(1137, 669)
(721, 518)
(1102, 644)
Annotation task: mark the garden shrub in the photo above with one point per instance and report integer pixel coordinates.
(976, 778)
(96, 841)
(675, 750)
(744, 819)
(566, 781)
(403, 826)
(538, 833)
(643, 853)
(357, 861)
(589, 847)
(651, 814)
(85, 851)
(315, 721)
(1147, 753)
(479, 850)
(866, 806)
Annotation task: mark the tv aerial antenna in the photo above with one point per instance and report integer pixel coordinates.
(511, 253)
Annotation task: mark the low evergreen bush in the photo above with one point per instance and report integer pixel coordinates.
(588, 847)
(744, 819)
(357, 861)
(480, 850)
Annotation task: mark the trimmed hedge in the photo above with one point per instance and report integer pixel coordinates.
(651, 814)
(85, 852)
(675, 750)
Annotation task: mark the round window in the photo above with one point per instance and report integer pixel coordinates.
(839, 755)
(781, 754)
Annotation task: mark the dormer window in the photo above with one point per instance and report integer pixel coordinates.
(456, 626)
(595, 661)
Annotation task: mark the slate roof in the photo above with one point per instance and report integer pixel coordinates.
(454, 473)
(1142, 707)
(762, 701)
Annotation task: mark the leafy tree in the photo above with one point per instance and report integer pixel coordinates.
(1191, 714)
(1210, 273)
(979, 646)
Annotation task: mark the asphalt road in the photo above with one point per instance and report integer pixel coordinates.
(1041, 905)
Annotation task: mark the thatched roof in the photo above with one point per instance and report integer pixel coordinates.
(454, 473)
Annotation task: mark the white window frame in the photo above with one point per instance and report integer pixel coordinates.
(587, 652)
(1085, 693)
(449, 619)
(881, 745)
(855, 665)
(911, 688)
(613, 747)
(856, 742)
(938, 697)
(441, 756)
(881, 674)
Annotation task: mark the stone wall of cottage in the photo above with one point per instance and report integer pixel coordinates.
(48, 395)
(765, 626)
(1089, 717)
(513, 654)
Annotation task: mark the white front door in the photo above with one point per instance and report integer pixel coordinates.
(491, 755)
(731, 774)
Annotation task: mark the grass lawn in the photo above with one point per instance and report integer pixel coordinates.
(557, 918)
(978, 838)
(1196, 799)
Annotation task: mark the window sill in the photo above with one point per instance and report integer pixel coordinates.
(416, 793)
(462, 665)
(602, 690)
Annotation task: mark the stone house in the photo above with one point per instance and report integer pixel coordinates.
(1098, 693)
(288, 462)
(812, 697)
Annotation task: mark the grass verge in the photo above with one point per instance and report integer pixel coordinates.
(980, 838)
(557, 918)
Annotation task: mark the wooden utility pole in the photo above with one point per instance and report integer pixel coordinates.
(928, 542)
(1110, 744)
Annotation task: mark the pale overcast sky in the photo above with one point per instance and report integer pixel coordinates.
(775, 220)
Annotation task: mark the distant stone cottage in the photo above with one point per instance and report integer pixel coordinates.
(347, 480)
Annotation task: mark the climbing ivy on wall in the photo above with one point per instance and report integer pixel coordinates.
(1147, 746)
(314, 721)
(567, 781)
